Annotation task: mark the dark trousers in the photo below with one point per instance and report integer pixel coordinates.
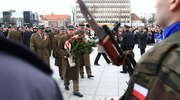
(88, 70)
(129, 63)
(75, 84)
(142, 50)
(98, 57)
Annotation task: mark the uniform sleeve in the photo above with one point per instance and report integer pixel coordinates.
(9, 35)
(169, 78)
(49, 45)
(20, 37)
(32, 43)
(54, 46)
(61, 49)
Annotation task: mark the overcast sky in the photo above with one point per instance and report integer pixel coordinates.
(140, 7)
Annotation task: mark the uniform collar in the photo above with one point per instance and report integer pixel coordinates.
(171, 30)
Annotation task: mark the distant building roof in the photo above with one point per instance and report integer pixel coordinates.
(134, 17)
(54, 17)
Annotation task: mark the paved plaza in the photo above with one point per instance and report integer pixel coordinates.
(108, 82)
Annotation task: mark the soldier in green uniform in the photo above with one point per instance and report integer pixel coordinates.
(57, 54)
(85, 58)
(15, 35)
(70, 72)
(51, 34)
(157, 75)
(40, 44)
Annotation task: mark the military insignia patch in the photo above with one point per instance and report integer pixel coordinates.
(140, 92)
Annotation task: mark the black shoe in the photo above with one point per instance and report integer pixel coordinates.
(123, 71)
(61, 78)
(77, 94)
(89, 76)
(67, 88)
(109, 62)
(96, 64)
(82, 76)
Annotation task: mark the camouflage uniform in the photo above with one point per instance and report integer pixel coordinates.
(157, 75)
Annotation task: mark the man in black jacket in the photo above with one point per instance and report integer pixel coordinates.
(142, 40)
(127, 44)
(26, 36)
(128, 39)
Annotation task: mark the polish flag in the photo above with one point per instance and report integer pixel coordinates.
(140, 92)
(67, 45)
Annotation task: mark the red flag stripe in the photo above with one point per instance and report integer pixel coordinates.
(138, 95)
(67, 45)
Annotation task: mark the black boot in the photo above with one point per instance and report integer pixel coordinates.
(67, 88)
(96, 64)
(89, 76)
(77, 94)
(62, 78)
(123, 71)
(82, 76)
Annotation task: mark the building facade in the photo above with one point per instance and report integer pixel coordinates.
(7, 18)
(106, 11)
(30, 18)
(136, 21)
(55, 20)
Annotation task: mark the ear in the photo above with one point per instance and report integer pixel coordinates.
(174, 4)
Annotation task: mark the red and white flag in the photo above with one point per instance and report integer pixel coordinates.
(140, 92)
(67, 45)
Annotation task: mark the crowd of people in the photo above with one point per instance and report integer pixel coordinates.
(27, 77)
(50, 41)
(46, 41)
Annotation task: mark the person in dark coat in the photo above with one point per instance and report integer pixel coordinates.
(24, 76)
(5, 31)
(127, 42)
(142, 40)
(26, 36)
(2, 34)
(127, 45)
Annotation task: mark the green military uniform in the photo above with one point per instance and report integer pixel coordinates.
(41, 46)
(84, 59)
(157, 75)
(51, 37)
(15, 36)
(70, 73)
(57, 54)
